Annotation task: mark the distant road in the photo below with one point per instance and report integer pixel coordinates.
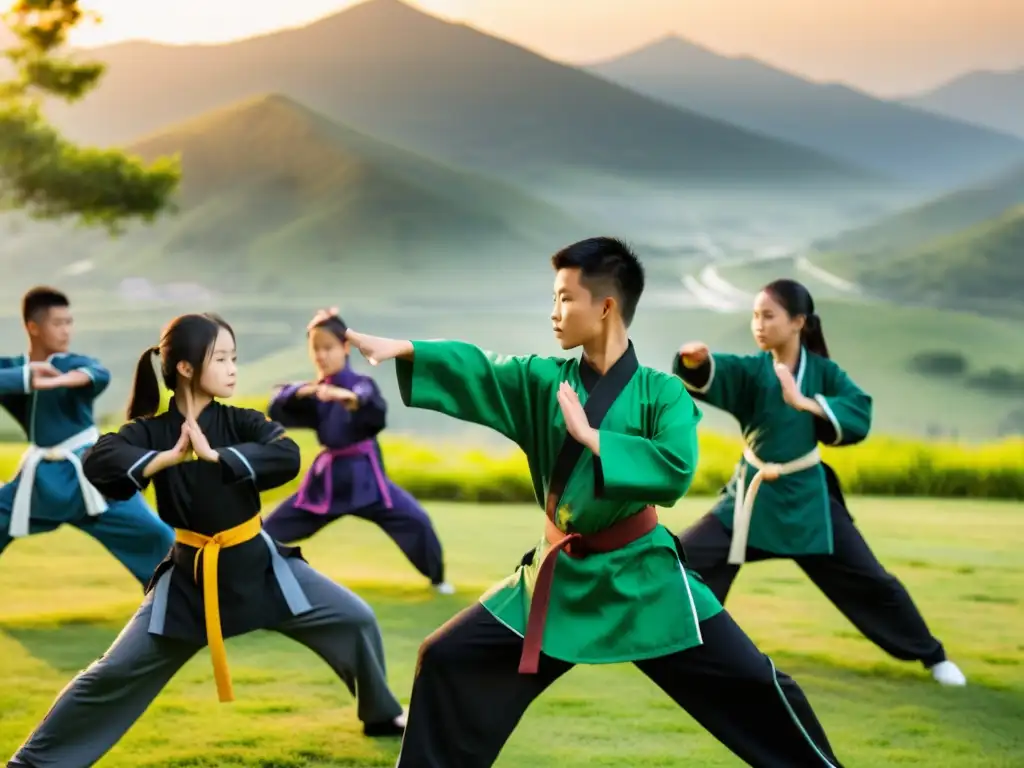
(710, 290)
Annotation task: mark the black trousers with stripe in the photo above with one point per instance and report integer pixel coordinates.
(873, 600)
(468, 696)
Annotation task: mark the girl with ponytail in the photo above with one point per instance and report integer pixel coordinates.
(224, 576)
(783, 500)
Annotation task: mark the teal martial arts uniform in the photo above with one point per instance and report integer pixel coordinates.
(50, 488)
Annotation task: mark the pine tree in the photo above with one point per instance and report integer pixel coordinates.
(41, 172)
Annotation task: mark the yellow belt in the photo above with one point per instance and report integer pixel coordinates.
(209, 550)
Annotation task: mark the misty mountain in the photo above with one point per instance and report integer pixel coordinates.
(274, 195)
(939, 217)
(445, 90)
(992, 99)
(888, 137)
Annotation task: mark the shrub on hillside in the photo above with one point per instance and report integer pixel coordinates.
(999, 380)
(939, 363)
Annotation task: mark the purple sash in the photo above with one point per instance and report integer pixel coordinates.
(323, 464)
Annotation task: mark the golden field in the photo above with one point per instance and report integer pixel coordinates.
(881, 466)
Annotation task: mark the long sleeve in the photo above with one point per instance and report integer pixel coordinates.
(463, 381)
(339, 428)
(97, 373)
(657, 469)
(724, 381)
(116, 462)
(848, 409)
(265, 456)
(292, 411)
(15, 376)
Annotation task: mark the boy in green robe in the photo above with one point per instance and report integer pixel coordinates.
(606, 439)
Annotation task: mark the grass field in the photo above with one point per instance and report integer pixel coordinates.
(960, 560)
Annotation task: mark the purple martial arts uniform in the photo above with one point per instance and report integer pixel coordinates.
(347, 476)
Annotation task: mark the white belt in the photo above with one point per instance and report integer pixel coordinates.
(743, 506)
(21, 511)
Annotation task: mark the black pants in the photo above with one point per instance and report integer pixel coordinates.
(468, 696)
(874, 600)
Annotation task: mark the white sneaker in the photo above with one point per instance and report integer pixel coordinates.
(444, 588)
(948, 673)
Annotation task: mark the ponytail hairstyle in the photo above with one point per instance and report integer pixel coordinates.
(796, 300)
(187, 338)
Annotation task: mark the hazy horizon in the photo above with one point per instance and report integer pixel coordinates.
(825, 42)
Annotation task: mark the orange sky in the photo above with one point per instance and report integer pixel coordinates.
(886, 46)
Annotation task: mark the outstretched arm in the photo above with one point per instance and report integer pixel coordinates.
(470, 384)
(718, 379)
(463, 381)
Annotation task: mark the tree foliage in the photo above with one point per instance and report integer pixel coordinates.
(41, 172)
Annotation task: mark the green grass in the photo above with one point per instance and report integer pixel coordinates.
(65, 600)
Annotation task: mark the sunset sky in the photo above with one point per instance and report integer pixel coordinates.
(889, 47)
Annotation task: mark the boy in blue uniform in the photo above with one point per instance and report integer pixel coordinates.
(50, 393)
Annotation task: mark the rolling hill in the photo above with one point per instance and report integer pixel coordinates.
(980, 267)
(268, 181)
(874, 342)
(992, 99)
(889, 137)
(936, 218)
(446, 90)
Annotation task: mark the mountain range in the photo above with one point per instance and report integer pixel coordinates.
(273, 194)
(445, 90)
(888, 137)
(992, 99)
(938, 217)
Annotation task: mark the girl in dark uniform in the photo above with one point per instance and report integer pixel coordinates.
(348, 412)
(224, 575)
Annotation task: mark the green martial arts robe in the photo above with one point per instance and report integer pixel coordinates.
(637, 602)
(791, 514)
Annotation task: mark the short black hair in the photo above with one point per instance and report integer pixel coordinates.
(41, 299)
(608, 267)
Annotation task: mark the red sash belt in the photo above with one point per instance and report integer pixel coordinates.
(610, 539)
